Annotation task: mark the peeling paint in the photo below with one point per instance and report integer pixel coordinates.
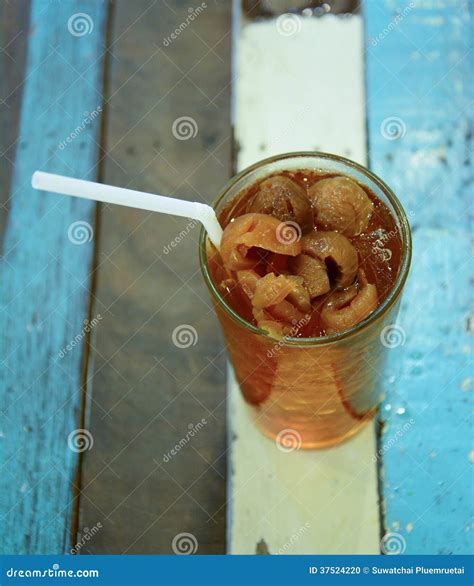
(466, 384)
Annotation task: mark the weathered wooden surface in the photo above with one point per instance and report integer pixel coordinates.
(259, 9)
(419, 80)
(14, 20)
(146, 394)
(145, 390)
(44, 285)
(316, 501)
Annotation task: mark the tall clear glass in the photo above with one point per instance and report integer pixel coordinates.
(317, 391)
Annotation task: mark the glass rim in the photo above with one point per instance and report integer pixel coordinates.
(394, 292)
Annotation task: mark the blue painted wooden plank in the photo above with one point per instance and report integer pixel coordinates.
(45, 278)
(419, 86)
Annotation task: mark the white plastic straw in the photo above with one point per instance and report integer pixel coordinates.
(131, 198)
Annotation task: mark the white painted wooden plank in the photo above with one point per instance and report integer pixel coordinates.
(304, 91)
(304, 501)
(300, 86)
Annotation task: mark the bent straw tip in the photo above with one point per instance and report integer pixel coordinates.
(211, 224)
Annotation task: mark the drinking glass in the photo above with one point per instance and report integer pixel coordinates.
(311, 392)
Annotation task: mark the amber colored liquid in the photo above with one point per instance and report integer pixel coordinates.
(322, 394)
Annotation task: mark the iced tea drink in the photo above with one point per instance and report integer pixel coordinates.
(307, 281)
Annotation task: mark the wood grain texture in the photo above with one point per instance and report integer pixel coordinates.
(146, 391)
(44, 285)
(14, 20)
(419, 80)
(314, 502)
